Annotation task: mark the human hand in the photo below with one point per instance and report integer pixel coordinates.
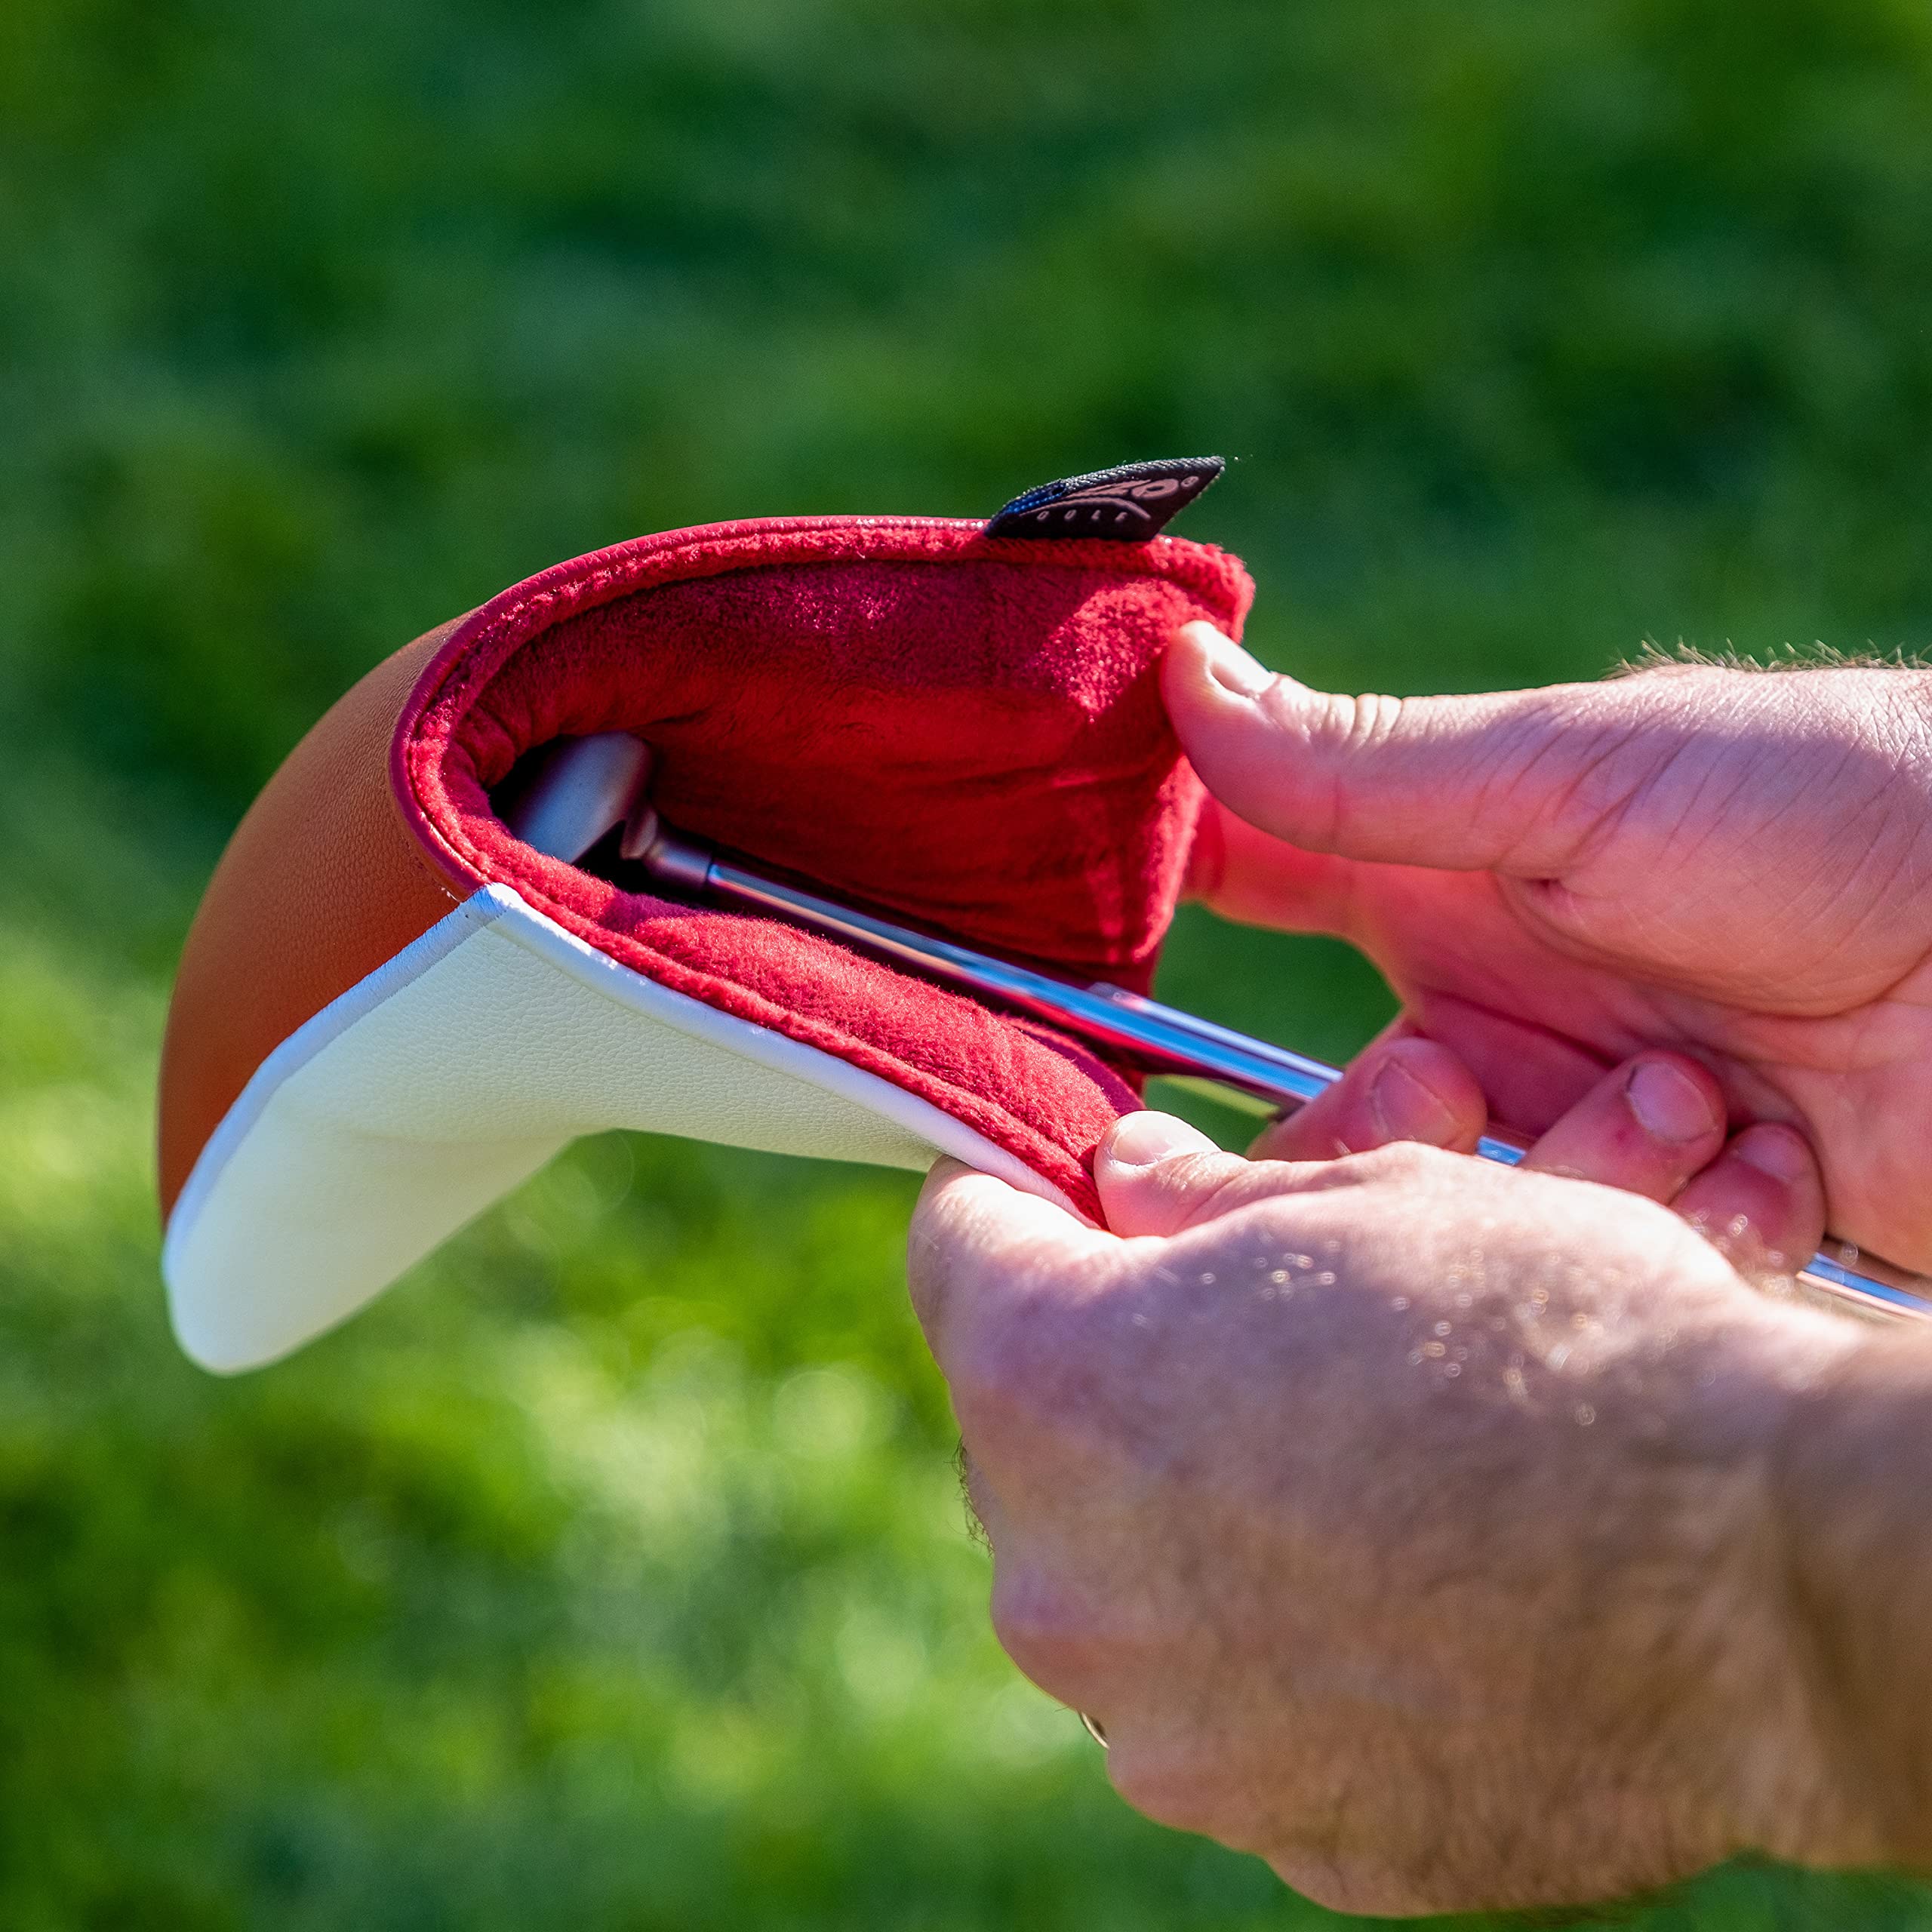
(1722, 862)
(1402, 1519)
(1655, 1126)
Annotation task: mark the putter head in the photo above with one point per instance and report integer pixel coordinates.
(567, 795)
(565, 799)
(402, 995)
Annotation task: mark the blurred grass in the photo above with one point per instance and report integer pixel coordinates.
(610, 1573)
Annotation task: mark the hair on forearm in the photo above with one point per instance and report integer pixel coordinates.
(1818, 656)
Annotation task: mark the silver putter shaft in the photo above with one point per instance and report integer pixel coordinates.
(1158, 1038)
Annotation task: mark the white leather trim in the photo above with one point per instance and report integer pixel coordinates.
(453, 1071)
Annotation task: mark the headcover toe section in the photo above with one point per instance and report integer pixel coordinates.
(411, 1103)
(962, 731)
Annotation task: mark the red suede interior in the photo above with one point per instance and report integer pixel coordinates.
(963, 731)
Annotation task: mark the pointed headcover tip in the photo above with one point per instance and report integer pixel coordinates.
(1128, 504)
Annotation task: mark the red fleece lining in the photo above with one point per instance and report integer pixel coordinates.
(966, 732)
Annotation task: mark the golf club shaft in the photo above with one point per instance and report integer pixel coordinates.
(1158, 1038)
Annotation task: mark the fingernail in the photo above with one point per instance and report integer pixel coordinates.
(1230, 666)
(1141, 1140)
(1405, 1108)
(1671, 1106)
(1779, 1151)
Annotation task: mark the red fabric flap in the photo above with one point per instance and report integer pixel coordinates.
(964, 731)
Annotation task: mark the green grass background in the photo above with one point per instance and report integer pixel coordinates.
(610, 1573)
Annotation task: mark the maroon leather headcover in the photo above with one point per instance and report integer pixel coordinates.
(960, 730)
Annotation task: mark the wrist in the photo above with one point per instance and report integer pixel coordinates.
(1850, 1477)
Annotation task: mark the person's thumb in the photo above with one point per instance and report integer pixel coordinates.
(1158, 1176)
(1459, 783)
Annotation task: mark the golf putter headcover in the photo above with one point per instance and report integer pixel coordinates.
(391, 1010)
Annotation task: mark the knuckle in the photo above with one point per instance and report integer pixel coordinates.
(1209, 1186)
(1360, 723)
(1343, 729)
(1400, 1164)
(1197, 1170)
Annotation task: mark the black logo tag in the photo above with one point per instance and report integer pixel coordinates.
(1124, 505)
